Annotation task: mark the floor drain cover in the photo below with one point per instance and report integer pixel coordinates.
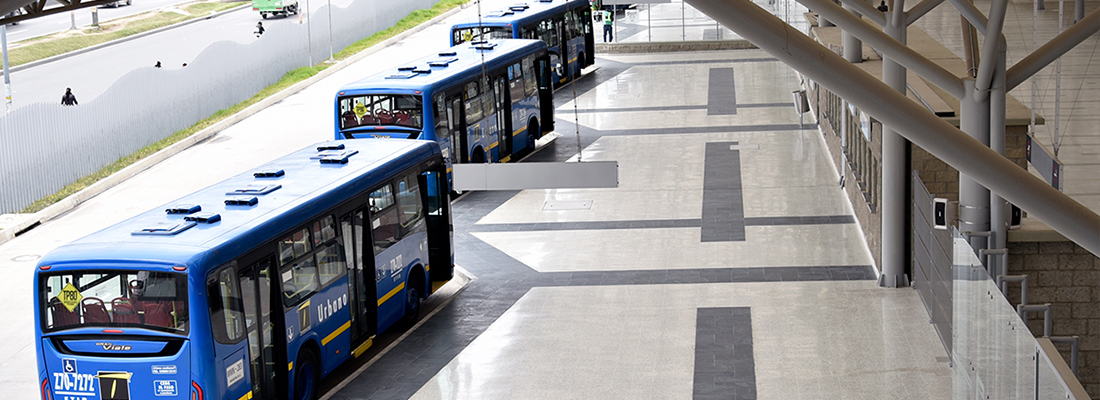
(567, 205)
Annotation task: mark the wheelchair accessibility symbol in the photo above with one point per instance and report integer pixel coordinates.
(69, 365)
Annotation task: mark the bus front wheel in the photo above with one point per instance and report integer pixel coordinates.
(307, 376)
(412, 305)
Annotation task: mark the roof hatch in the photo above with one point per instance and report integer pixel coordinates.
(255, 189)
(334, 157)
(242, 201)
(484, 45)
(164, 228)
(184, 209)
(442, 62)
(519, 7)
(204, 217)
(269, 173)
(331, 147)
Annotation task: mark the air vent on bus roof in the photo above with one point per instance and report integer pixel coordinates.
(255, 189)
(423, 70)
(442, 62)
(448, 54)
(331, 147)
(484, 45)
(242, 201)
(406, 68)
(406, 75)
(184, 209)
(204, 218)
(519, 7)
(334, 154)
(269, 173)
(164, 229)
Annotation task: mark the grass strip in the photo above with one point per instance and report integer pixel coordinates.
(294, 76)
(43, 47)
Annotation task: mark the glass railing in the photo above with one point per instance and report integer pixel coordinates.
(994, 354)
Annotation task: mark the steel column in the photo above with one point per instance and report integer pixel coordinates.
(895, 175)
(849, 43)
(888, 46)
(992, 42)
(919, 10)
(862, 8)
(998, 208)
(972, 14)
(973, 197)
(919, 125)
(1054, 48)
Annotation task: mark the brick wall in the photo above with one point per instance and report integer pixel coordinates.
(1068, 277)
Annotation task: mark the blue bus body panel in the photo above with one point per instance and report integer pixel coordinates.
(466, 66)
(307, 188)
(537, 11)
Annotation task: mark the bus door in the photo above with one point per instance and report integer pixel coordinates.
(589, 36)
(440, 227)
(265, 346)
(456, 119)
(361, 285)
(504, 117)
(543, 69)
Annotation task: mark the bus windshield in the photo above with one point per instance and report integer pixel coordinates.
(381, 109)
(114, 298)
(463, 35)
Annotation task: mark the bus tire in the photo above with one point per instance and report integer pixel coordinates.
(580, 63)
(412, 303)
(306, 376)
(478, 157)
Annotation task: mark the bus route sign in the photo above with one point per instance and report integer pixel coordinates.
(70, 297)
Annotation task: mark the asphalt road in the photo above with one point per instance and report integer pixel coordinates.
(83, 17)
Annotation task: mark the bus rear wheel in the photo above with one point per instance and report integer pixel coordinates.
(306, 377)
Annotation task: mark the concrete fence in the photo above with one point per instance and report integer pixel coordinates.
(46, 146)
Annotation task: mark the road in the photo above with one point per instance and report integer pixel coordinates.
(60, 22)
(251, 142)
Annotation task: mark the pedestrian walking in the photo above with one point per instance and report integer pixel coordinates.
(158, 64)
(607, 26)
(259, 28)
(882, 7)
(68, 99)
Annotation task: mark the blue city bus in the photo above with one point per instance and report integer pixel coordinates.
(253, 288)
(482, 102)
(552, 21)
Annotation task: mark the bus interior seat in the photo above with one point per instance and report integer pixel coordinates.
(368, 119)
(94, 311)
(402, 117)
(349, 119)
(157, 314)
(122, 311)
(385, 117)
(61, 315)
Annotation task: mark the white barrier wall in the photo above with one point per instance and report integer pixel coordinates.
(46, 146)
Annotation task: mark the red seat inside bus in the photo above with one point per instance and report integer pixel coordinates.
(123, 311)
(94, 311)
(61, 315)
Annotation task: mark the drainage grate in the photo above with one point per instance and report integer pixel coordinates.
(567, 205)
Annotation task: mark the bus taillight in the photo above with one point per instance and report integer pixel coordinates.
(46, 389)
(44, 268)
(196, 391)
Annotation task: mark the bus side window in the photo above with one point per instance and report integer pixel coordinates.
(442, 128)
(488, 99)
(530, 84)
(408, 199)
(515, 83)
(227, 317)
(330, 259)
(383, 219)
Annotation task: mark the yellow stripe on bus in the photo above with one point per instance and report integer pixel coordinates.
(336, 333)
(391, 293)
(494, 145)
(363, 347)
(290, 367)
(519, 131)
(247, 396)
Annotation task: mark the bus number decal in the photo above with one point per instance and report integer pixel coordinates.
(234, 372)
(396, 265)
(74, 383)
(165, 388)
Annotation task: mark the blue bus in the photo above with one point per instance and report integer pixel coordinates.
(482, 102)
(556, 22)
(253, 288)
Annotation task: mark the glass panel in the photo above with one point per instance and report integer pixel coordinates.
(464, 35)
(293, 246)
(408, 198)
(299, 281)
(324, 230)
(383, 109)
(330, 263)
(102, 298)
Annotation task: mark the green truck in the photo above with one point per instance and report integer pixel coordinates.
(275, 7)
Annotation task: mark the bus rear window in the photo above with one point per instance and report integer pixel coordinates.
(114, 298)
(386, 109)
